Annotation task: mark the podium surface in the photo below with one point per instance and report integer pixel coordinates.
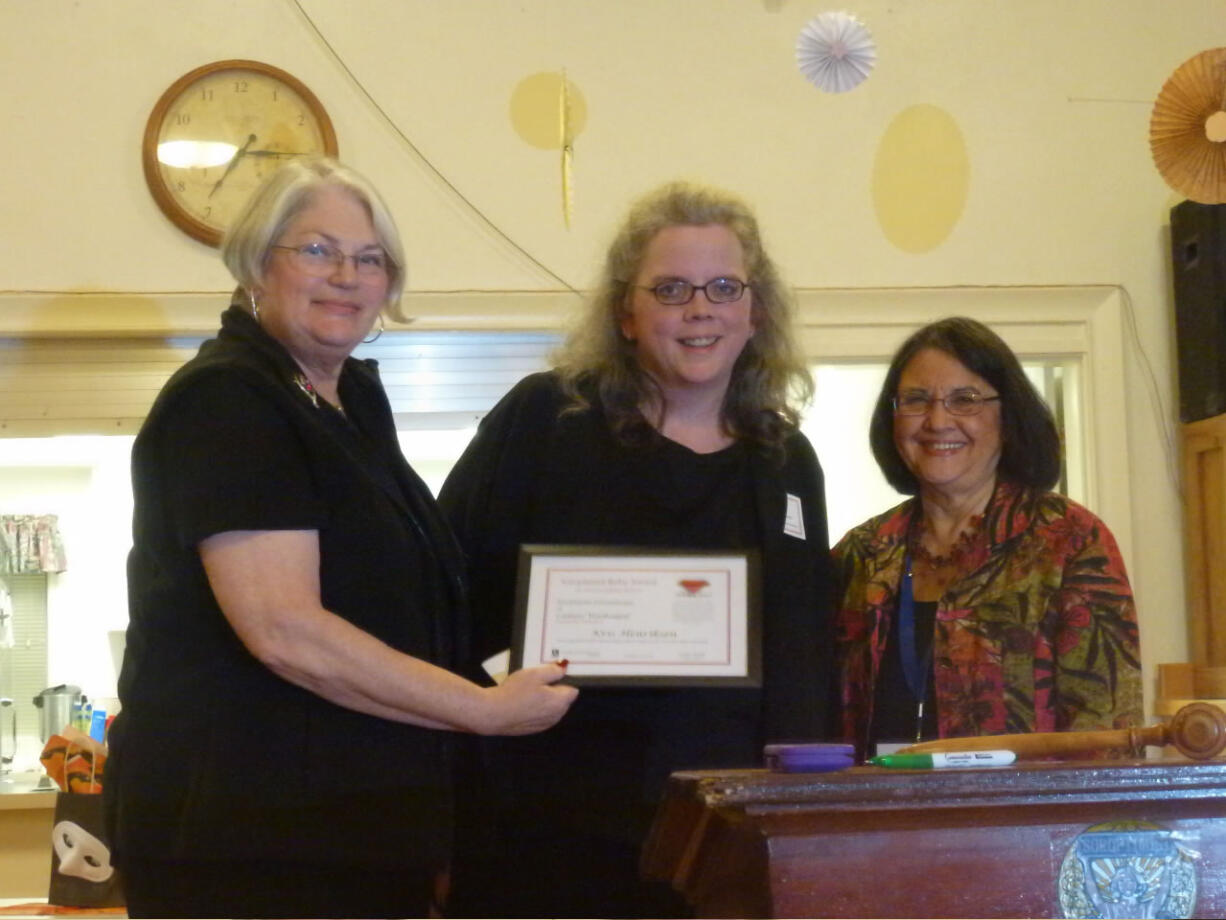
(1120, 838)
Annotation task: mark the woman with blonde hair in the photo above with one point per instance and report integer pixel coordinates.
(296, 600)
(669, 421)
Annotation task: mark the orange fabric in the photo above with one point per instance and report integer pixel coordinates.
(76, 763)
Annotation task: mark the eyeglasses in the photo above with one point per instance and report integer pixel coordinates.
(676, 291)
(321, 260)
(959, 402)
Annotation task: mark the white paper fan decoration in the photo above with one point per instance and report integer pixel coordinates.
(835, 52)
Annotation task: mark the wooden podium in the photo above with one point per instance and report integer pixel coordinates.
(1129, 838)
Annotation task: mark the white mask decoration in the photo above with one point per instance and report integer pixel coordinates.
(81, 853)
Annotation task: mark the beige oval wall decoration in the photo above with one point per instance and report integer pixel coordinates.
(920, 178)
(535, 104)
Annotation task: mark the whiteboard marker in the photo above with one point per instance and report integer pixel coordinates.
(941, 761)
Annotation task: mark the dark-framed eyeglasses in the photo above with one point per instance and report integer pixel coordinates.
(676, 292)
(959, 402)
(321, 260)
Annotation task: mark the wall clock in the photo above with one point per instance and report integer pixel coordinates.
(218, 131)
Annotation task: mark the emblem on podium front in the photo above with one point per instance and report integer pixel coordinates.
(1124, 869)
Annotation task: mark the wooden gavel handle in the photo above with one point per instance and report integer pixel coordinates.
(1198, 730)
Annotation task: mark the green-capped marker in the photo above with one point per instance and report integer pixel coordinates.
(903, 761)
(942, 760)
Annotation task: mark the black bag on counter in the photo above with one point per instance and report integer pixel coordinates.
(81, 871)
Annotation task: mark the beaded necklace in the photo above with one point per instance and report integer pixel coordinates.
(967, 542)
(944, 569)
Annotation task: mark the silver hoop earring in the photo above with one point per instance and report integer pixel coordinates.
(255, 307)
(382, 328)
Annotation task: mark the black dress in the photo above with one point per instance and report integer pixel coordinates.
(558, 819)
(218, 762)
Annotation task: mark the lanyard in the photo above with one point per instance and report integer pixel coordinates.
(914, 667)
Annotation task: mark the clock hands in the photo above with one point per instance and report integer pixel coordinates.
(275, 153)
(238, 155)
(243, 151)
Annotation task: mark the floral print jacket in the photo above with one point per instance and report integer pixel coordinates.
(1041, 635)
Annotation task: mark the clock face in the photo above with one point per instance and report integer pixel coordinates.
(218, 131)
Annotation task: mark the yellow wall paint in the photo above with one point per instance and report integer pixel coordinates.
(535, 108)
(920, 178)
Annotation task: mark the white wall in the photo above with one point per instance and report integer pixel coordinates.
(1051, 99)
(85, 483)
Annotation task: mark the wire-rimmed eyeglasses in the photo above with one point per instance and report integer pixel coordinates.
(321, 260)
(959, 402)
(676, 292)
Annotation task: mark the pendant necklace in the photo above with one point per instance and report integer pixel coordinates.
(305, 385)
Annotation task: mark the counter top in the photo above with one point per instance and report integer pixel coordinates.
(20, 791)
(22, 908)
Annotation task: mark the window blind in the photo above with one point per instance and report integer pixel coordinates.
(106, 386)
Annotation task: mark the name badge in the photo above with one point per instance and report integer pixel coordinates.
(794, 520)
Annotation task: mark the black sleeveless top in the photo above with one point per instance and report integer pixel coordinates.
(895, 707)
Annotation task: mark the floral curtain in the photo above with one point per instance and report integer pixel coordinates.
(31, 544)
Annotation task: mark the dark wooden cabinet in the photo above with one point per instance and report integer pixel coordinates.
(1100, 838)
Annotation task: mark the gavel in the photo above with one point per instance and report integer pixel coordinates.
(1197, 730)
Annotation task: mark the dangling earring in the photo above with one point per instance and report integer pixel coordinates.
(382, 327)
(255, 307)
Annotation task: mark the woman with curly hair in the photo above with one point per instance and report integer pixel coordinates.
(669, 420)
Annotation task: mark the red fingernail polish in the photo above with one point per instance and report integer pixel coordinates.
(562, 662)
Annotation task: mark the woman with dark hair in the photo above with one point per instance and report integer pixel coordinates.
(986, 603)
(669, 420)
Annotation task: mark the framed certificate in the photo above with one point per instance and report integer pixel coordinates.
(632, 616)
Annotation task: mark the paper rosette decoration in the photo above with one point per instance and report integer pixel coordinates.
(835, 52)
(1187, 129)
